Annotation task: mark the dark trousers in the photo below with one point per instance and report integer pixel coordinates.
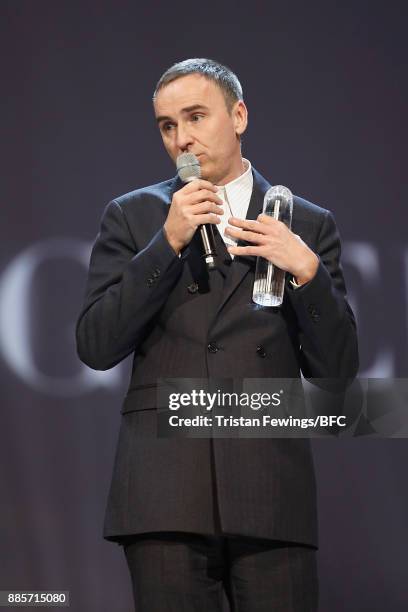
(179, 572)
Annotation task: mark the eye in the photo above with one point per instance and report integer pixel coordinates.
(166, 127)
(196, 117)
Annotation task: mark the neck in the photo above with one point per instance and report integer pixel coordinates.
(235, 171)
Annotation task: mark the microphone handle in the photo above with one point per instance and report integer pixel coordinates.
(208, 240)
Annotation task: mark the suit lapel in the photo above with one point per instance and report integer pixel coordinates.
(241, 265)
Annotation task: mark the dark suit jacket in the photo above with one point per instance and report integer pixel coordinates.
(180, 321)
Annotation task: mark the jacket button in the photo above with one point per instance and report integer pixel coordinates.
(150, 282)
(261, 351)
(156, 273)
(193, 288)
(212, 347)
(314, 312)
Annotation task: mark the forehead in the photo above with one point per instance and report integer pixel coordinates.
(188, 91)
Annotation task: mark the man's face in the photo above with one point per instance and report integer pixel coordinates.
(193, 117)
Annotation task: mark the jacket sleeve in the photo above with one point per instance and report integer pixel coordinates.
(125, 289)
(327, 328)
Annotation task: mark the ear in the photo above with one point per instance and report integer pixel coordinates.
(239, 114)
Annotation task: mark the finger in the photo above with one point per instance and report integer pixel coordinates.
(198, 184)
(206, 207)
(248, 224)
(267, 219)
(202, 195)
(203, 219)
(246, 250)
(245, 235)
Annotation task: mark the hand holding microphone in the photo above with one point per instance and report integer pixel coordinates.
(195, 205)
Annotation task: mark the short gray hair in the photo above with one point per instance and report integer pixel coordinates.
(223, 76)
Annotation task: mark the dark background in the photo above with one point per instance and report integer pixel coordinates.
(327, 96)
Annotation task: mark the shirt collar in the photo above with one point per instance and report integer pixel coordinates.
(244, 182)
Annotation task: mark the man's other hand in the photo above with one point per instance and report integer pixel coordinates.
(275, 242)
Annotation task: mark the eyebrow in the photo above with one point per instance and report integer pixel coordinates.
(187, 109)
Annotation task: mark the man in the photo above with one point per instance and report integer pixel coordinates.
(199, 516)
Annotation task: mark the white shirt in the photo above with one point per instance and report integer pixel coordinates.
(236, 196)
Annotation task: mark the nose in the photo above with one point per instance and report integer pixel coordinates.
(184, 138)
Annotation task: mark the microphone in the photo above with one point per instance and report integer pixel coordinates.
(188, 168)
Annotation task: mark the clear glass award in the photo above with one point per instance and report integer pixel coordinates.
(269, 283)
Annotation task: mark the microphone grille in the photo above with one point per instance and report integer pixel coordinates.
(188, 167)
